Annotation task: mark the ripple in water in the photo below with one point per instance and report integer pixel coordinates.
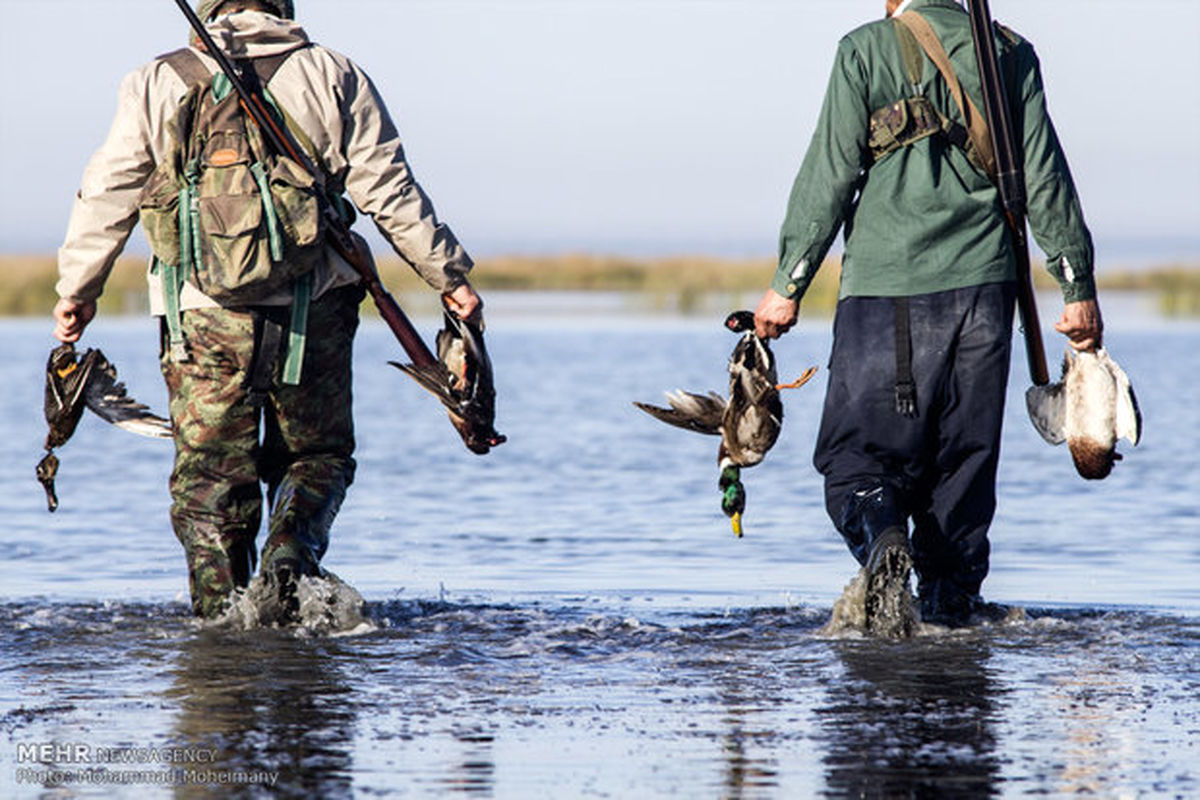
(543, 698)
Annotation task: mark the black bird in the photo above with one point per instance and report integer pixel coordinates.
(74, 382)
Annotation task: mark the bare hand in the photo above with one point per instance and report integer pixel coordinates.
(464, 303)
(70, 318)
(775, 315)
(1082, 324)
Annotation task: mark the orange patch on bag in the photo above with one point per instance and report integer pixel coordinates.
(223, 158)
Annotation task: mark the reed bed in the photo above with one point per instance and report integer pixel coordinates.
(680, 284)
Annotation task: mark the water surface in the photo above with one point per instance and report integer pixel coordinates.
(570, 615)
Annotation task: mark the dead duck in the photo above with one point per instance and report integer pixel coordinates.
(462, 380)
(75, 382)
(748, 422)
(1090, 408)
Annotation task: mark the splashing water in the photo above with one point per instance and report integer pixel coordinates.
(849, 615)
(896, 615)
(893, 614)
(327, 606)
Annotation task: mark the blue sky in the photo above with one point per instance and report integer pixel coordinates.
(625, 126)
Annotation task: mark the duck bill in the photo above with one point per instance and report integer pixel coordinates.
(736, 522)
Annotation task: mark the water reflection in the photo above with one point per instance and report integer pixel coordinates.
(266, 702)
(1096, 700)
(745, 775)
(475, 772)
(753, 663)
(1099, 711)
(912, 719)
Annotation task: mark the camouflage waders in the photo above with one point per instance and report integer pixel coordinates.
(302, 450)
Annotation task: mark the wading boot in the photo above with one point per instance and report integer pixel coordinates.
(889, 606)
(282, 578)
(219, 563)
(944, 603)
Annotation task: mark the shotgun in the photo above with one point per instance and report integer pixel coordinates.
(1010, 179)
(339, 234)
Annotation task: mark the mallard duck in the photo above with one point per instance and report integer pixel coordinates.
(1090, 408)
(462, 380)
(748, 422)
(74, 382)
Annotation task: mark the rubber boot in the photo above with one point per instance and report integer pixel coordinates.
(865, 514)
(889, 607)
(282, 578)
(298, 537)
(213, 577)
(301, 517)
(943, 602)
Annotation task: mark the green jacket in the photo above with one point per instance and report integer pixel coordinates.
(923, 219)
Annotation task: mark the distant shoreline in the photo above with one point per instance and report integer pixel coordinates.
(679, 284)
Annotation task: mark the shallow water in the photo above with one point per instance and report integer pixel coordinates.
(570, 615)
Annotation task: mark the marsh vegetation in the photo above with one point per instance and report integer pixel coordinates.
(681, 284)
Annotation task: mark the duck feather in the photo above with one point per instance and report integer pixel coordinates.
(1090, 408)
(702, 413)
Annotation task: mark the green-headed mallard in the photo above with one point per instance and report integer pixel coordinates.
(748, 422)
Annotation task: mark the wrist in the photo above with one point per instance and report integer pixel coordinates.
(787, 287)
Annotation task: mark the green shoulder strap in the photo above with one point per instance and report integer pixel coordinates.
(191, 70)
(169, 275)
(293, 364)
(911, 53)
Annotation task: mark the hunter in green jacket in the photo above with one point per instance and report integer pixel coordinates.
(926, 299)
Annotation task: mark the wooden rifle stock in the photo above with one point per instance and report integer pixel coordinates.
(339, 235)
(1010, 180)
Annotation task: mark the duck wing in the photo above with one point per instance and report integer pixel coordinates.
(752, 421)
(67, 376)
(107, 397)
(1047, 408)
(694, 412)
(1129, 415)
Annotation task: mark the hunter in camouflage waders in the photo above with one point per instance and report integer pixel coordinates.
(299, 438)
(299, 443)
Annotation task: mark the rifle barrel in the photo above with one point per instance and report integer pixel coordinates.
(1010, 180)
(341, 240)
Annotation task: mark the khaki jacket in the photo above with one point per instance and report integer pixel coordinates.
(330, 99)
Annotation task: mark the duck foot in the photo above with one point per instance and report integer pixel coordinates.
(796, 384)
